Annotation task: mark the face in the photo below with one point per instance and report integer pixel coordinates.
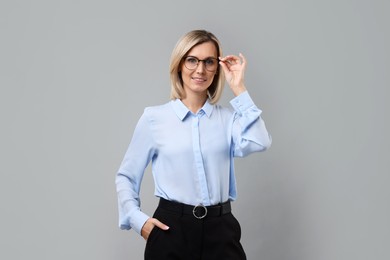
(196, 81)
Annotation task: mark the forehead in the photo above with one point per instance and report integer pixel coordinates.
(203, 50)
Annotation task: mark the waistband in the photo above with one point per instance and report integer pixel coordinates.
(198, 211)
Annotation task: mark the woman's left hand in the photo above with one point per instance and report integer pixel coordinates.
(234, 69)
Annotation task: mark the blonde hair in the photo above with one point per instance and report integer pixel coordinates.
(183, 46)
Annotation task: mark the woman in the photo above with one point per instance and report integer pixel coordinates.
(191, 142)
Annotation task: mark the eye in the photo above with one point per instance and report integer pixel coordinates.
(210, 61)
(192, 60)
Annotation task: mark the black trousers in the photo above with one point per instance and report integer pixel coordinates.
(190, 238)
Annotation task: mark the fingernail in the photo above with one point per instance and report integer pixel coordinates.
(166, 227)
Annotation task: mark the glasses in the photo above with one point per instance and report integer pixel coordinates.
(191, 63)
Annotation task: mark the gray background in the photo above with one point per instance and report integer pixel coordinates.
(76, 75)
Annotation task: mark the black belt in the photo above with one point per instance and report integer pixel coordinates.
(198, 211)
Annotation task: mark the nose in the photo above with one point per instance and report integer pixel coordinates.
(201, 67)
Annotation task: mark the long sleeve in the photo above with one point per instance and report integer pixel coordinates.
(191, 154)
(130, 174)
(249, 133)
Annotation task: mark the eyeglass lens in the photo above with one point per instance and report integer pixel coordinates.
(210, 64)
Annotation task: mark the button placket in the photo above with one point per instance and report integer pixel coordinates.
(199, 160)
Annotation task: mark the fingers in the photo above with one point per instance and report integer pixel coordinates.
(230, 60)
(149, 225)
(231, 63)
(234, 69)
(224, 66)
(233, 59)
(243, 59)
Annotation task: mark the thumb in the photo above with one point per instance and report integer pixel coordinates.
(224, 67)
(160, 225)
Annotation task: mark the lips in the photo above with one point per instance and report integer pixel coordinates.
(199, 80)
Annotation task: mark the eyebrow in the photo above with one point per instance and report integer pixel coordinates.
(210, 57)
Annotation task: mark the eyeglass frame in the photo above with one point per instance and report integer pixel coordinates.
(199, 60)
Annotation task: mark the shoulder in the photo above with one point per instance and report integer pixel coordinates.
(222, 110)
(158, 111)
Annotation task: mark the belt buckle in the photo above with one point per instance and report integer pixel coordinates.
(199, 206)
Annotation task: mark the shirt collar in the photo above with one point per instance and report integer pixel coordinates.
(182, 111)
(208, 108)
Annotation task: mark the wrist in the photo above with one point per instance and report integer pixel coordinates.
(238, 89)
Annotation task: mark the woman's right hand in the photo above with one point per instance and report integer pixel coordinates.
(149, 225)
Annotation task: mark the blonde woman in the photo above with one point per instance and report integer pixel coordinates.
(191, 142)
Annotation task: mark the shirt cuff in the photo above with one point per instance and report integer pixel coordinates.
(138, 220)
(242, 102)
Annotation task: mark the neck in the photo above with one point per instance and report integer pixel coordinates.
(194, 102)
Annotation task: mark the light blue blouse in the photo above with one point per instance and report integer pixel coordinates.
(191, 154)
